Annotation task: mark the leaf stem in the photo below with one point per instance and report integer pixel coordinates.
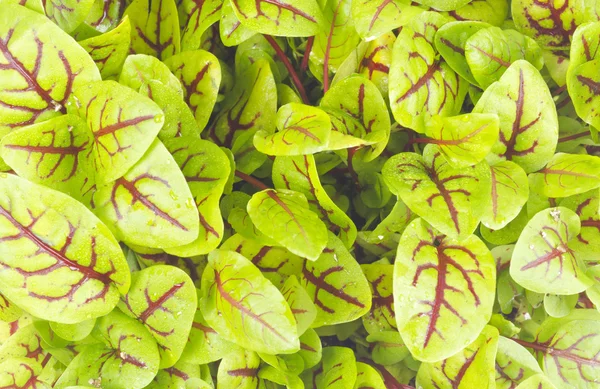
(251, 180)
(309, 45)
(288, 65)
(533, 345)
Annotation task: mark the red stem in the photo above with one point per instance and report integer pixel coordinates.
(533, 345)
(424, 140)
(574, 136)
(251, 180)
(288, 65)
(309, 45)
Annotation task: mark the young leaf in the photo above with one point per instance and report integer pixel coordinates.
(300, 303)
(337, 285)
(381, 317)
(560, 305)
(376, 60)
(422, 85)
(150, 205)
(239, 369)
(543, 261)
(302, 130)
(200, 74)
(284, 216)
(538, 381)
(570, 174)
(123, 123)
(448, 5)
(244, 307)
(464, 140)
(587, 207)
(300, 174)
(140, 70)
(528, 120)
(514, 364)
(231, 30)
(493, 12)
(105, 14)
(59, 261)
(201, 14)
(471, 367)
(182, 375)
(23, 373)
(338, 369)
(334, 41)
(155, 27)
(163, 298)
(206, 170)
(490, 51)
(279, 17)
(9, 312)
(443, 291)
(73, 332)
(126, 358)
(41, 67)
(110, 49)
(452, 200)
(510, 191)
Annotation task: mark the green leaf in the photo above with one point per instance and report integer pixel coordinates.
(339, 288)
(163, 298)
(140, 70)
(443, 291)
(23, 373)
(302, 130)
(514, 364)
(200, 74)
(110, 49)
(68, 14)
(452, 200)
(123, 124)
(538, 381)
(373, 18)
(490, 52)
(493, 12)
(126, 358)
(300, 303)
(59, 261)
(284, 216)
(510, 191)
(528, 121)
(570, 174)
(231, 30)
(334, 40)
(104, 14)
(25, 342)
(9, 312)
(155, 27)
(376, 60)
(446, 5)
(338, 370)
(464, 140)
(244, 307)
(543, 261)
(42, 62)
(150, 205)
(182, 375)
(201, 14)
(560, 305)
(300, 174)
(239, 369)
(206, 170)
(450, 42)
(73, 332)
(381, 316)
(469, 368)
(421, 84)
(54, 153)
(359, 120)
(310, 348)
(279, 18)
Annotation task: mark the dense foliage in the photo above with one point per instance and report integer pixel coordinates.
(323, 194)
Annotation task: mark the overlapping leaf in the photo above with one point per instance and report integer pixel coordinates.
(373, 18)
(514, 364)
(570, 174)
(587, 207)
(110, 49)
(376, 61)
(163, 298)
(244, 307)
(201, 14)
(510, 191)
(59, 261)
(381, 317)
(104, 14)
(422, 85)
(284, 216)
(300, 174)
(443, 291)
(68, 14)
(240, 370)
(452, 200)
